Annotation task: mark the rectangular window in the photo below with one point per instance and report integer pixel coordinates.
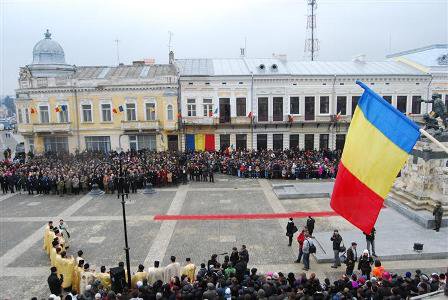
(294, 141)
(294, 105)
(416, 105)
(388, 99)
(55, 144)
(86, 112)
(150, 109)
(262, 141)
(241, 141)
(341, 105)
(140, 142)
(224, 141)
(323, 141)
(355, 100)
(191, 107)
(131, 114)
(19, 115)
(277, 109)
(106, 115)
(340, 141)
(63, 114)
(98, 143)
(277, 141)
(44, 115)
(27, 116)
(208, 107)
(324, 105)
(170, 113)
(263, 109)
(309, 141)
(241, 107)
(402, 103)
(309, 108)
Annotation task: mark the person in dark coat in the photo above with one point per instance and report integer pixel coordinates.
(290, 230)
(55, 282)
(234, 256)
(352, 258)
(438, 214)
(310, 225)
(370, 240)
(244, 254)
(337, 240)
(365, 264)
(240, 268)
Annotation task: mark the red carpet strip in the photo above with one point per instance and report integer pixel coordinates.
(297, 214)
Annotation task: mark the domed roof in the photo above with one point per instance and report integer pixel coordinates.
(48, 51)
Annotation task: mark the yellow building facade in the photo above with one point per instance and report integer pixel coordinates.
(61, 107)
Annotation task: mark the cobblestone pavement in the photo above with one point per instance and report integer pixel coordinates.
(96, 228)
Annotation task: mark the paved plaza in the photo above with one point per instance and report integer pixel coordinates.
(95, 225)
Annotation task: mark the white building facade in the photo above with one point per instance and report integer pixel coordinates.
(279, 104)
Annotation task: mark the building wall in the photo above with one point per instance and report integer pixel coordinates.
(200, 88)
(118, 128)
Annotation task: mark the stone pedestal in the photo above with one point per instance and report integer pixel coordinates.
(424, 178)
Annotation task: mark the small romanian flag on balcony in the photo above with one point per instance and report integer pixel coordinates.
(376, 148)
(57, 109)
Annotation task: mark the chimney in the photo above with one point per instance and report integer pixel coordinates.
(171, 58)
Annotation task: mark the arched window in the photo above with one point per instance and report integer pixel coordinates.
(169, 110)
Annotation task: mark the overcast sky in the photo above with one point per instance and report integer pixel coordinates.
(86, 29)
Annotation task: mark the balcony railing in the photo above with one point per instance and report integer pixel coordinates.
(51, 127)
(140, 125)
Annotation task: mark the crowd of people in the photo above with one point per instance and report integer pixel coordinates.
(229, 278)
(73, 174)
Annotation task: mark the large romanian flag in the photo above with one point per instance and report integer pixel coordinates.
(377, 146)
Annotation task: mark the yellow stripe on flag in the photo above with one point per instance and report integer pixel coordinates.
(371, 156)
(199, 142)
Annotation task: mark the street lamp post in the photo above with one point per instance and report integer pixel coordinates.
(121, 194)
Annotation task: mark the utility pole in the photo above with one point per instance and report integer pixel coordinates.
(311, 43)
(170, 34)
(118, 50)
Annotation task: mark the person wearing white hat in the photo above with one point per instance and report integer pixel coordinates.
(97, 296)
(365, 263)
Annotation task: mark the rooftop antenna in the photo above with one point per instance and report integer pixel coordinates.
(312, 43)
(118, 50)
(170, 34)
(243, 50)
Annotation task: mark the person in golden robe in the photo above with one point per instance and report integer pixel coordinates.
(87, 277)
(155, 273)
(104, 277)
(76, 275)
(50, 238)
(66, 266)
(54, 252)
(189, 270)
(139, 276)
(48, 228)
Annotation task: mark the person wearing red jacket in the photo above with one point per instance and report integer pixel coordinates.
(300, 240)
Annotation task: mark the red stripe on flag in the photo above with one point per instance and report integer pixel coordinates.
(297, 214)
(354, 201)
(209, 142)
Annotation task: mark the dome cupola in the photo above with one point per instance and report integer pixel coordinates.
(48, 52)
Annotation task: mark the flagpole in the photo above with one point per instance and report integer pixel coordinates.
(432, 139)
